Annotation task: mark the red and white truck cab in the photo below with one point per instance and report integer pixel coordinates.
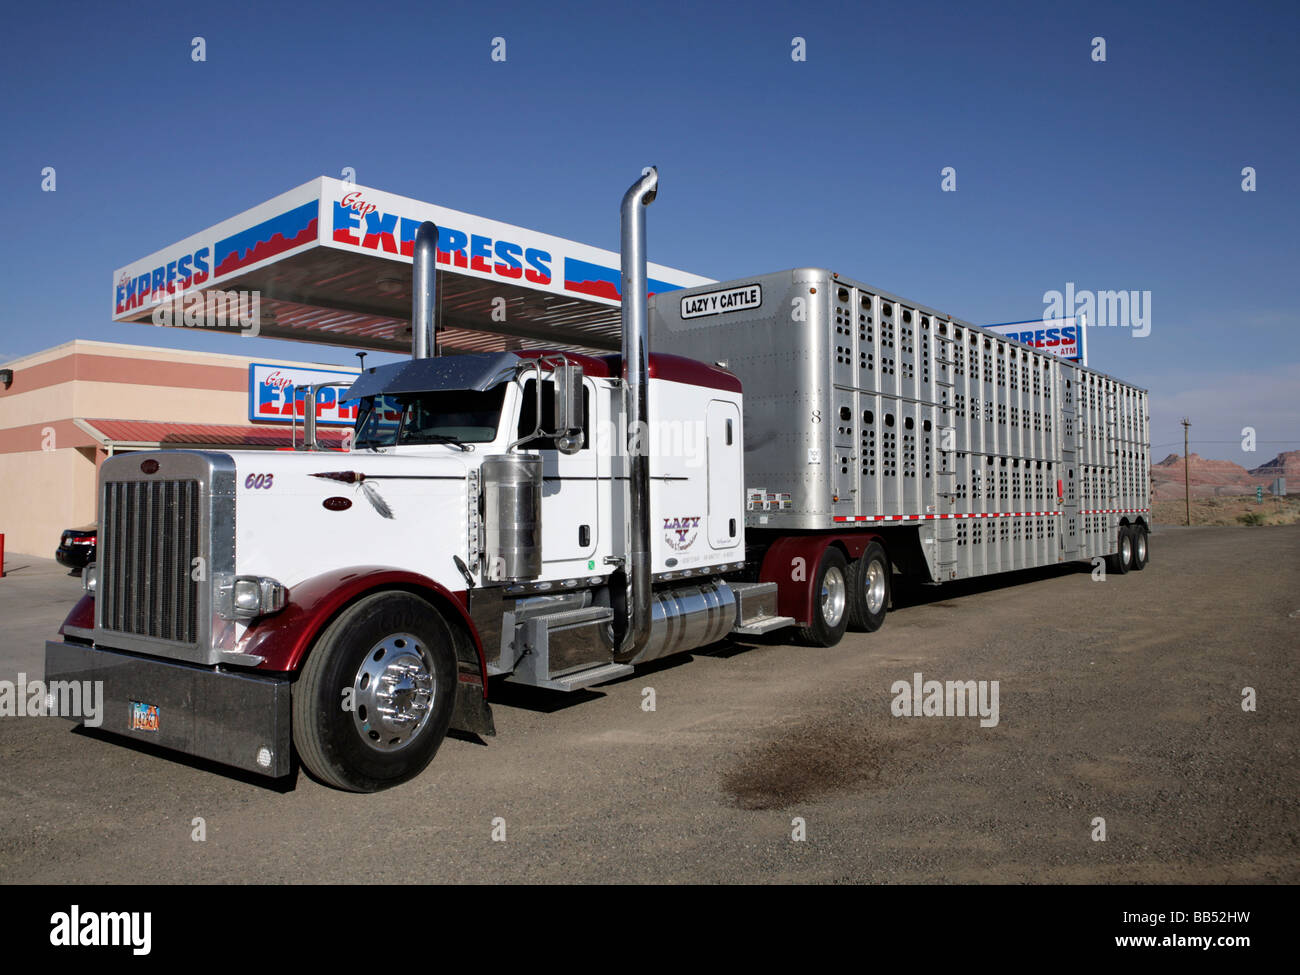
(556, 518)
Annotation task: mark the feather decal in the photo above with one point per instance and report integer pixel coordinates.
(376, 500)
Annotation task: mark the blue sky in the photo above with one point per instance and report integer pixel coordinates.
(1123, 174)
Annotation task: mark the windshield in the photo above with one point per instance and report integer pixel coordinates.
(452, 416)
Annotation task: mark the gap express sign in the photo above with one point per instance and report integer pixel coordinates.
(278, 394)
(1064, 338)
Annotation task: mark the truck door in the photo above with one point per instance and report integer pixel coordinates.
(570, 486)
(726, 492)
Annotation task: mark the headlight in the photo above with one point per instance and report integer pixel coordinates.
(88, 577)
(257, 596)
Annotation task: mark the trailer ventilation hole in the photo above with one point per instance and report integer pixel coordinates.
(845, 413)
(907, 315)
(926, 426)
(889, 419)
(907, 423)
(868, 417)
(844, 295)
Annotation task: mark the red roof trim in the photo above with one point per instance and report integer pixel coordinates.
(178, 434)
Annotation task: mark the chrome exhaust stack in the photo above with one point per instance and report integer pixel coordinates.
(636, 384)
(424, 291)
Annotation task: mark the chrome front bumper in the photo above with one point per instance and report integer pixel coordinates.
(233, 718)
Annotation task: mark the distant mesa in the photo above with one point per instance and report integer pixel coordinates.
(1285, 464)
(1208, 478)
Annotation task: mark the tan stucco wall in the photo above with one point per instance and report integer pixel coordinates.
(42, 492)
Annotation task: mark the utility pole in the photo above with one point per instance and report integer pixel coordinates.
(1187, 477)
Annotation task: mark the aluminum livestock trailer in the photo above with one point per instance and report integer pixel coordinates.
(962, 452)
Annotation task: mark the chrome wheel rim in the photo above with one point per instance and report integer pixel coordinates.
(833, 596)
(1126, 548)
(875, 587)
(1141, 547)
(393, 692)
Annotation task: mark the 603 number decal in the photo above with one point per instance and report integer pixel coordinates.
(259, 481)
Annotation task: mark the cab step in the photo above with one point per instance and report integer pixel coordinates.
(586, 678)
(562, 650)
(764, 624)
(756, 609)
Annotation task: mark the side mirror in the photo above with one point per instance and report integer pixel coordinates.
(568, 407)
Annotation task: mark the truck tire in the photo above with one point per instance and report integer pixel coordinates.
(1118, 564)
(869, 589)
(1140, 553)
(830, 601)
(396, 656)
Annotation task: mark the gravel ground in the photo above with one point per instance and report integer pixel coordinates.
(1118, 699)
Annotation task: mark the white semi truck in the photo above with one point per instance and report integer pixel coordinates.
(556, 519)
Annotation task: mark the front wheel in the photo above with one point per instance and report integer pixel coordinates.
(869, 589)
(376, 695)
(830, 615)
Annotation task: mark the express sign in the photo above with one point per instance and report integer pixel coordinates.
(344, 217)
(278, 394)
(1062, 337)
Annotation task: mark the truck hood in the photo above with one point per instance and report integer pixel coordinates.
(301, 514)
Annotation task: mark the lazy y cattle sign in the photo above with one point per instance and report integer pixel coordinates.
(720, 302)
(278, 394)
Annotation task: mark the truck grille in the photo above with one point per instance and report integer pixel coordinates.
(149, 537)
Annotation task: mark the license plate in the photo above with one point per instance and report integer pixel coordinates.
(144, 717)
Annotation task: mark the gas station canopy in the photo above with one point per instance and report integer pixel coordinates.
(329, 262)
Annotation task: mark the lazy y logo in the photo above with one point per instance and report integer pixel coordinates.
(360, 222)
(680, 533)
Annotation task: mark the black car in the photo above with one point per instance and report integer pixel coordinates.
(77, 547)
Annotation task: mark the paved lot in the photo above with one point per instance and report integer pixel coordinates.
(1119, 700)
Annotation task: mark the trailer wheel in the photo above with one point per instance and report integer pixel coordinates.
(830, 601)
(869, 589)
(1140, 554)
(376, 695)
(1119, 563)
